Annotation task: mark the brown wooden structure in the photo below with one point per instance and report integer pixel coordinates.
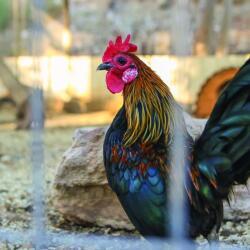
(211, 90)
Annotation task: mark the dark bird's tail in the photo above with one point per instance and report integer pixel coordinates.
(222, 153)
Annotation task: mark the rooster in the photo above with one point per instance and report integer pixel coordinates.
(137, 145)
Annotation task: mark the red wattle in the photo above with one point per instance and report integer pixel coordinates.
(114, 82)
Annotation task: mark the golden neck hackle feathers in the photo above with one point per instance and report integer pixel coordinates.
(149, 107)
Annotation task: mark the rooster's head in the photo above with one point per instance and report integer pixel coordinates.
(147, 99)
(119, 62)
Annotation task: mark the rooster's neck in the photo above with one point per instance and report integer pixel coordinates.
(149, 107)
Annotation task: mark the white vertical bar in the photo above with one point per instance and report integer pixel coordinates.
(37, 121)
(181, 41)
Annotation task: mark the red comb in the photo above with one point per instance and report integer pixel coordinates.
(118, 46)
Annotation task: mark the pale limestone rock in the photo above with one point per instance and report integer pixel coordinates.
(194, 126)
(82, 193)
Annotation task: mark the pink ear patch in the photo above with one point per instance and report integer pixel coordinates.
(114, 82)
(129, 75)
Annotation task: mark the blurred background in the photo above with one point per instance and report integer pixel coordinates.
(75, 33)
(57, 45)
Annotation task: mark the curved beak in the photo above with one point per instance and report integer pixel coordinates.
(104, 66)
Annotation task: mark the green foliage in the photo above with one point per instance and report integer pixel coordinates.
(5, 16)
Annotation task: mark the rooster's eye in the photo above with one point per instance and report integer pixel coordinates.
(121, 60)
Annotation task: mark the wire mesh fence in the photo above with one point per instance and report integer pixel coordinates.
(39, 237)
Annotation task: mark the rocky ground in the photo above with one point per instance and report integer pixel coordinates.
(15, 189)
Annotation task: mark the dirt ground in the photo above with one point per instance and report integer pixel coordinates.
(16, 190)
